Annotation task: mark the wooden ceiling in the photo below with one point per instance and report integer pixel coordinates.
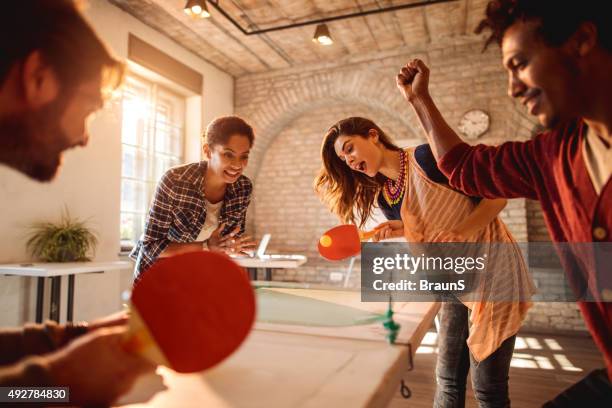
(218, 41)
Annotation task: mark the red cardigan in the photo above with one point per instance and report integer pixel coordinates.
(551, 168)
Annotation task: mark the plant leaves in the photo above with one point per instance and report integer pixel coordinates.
(70, 240)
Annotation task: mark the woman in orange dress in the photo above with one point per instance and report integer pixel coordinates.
(362, 168)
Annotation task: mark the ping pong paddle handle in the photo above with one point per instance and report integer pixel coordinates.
(140, 341)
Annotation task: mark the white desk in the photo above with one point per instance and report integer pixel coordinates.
(55, 271)
(269, 262)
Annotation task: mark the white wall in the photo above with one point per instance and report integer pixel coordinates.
(89, 183)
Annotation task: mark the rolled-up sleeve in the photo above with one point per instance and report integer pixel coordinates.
(155, 237)
(505, 171)
(17, 343)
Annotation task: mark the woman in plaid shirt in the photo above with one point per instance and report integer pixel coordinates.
(202, 205)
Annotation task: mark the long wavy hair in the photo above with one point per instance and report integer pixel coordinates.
(349, 194)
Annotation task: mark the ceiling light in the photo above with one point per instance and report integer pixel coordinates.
(196, 9)
(322, 35)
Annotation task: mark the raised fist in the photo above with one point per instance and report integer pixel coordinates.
(413, 80)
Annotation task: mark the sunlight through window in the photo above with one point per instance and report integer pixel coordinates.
(520, 343)
(520, 360)
(533, 344)
(553, 344)
(544, 363)
(565, 364)
(152, 137)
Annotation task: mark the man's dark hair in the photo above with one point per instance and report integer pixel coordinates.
(558, 19)
(64, 38)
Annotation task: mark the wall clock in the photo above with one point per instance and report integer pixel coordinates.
(474, 123)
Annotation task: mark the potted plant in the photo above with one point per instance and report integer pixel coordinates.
(70, 240)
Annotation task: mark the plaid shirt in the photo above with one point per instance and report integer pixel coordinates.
(178, 212)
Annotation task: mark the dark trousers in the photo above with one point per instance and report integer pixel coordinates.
(489, 377)
(592, 391)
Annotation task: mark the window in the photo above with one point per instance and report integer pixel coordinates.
(152, 137)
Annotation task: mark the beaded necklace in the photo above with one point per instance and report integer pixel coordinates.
(394, 190)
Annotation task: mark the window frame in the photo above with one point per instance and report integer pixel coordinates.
(155, 92)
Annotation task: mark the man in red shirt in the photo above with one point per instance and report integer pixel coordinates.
(558, 56)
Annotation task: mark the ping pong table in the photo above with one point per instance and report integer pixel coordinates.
(311, 347)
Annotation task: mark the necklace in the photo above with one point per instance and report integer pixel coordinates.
(393, 190)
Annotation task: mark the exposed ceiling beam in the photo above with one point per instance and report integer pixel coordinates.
(245, 31)
(275, 47)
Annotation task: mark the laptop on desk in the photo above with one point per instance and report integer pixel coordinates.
(263, 245)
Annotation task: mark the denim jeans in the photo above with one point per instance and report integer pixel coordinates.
(489, 377)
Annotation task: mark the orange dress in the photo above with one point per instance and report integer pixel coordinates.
(501, 299)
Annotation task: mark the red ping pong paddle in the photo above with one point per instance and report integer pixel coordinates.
(191, 311)
(342, 242)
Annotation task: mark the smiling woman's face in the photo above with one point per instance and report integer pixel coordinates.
(361, 154)
(230, 159)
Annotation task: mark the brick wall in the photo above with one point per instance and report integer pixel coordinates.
(545, 317)
(291, 109)
(544, 264)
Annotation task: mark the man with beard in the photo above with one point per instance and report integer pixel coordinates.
(558, 56)
(53, 74)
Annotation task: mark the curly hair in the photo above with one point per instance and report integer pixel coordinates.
(219, 131)
(558, 20)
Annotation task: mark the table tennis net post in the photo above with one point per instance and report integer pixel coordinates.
(349, 271)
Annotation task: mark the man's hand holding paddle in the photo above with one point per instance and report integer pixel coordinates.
(94, 359)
